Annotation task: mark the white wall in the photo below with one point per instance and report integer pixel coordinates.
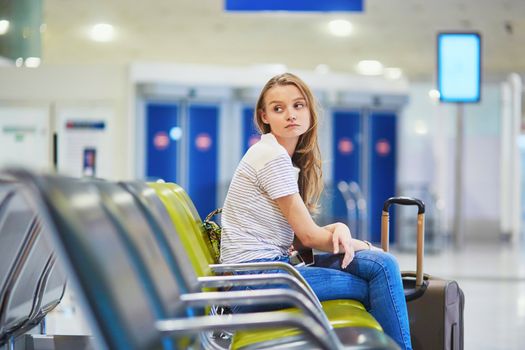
(81, 86)
(429, 158)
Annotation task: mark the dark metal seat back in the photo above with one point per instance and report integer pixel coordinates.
(164, 231)
(16, 222)
(51, 295)
(101, 274)
(21, 298)
(145, 251)
(25, 262)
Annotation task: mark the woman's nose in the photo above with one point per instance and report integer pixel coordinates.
(292, 117)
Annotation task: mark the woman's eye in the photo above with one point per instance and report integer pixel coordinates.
(277, 109)
(299, 105)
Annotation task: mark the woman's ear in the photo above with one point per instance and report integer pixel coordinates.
(262, 113)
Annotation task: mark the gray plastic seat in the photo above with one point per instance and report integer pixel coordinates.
(26, 264)
(144, 249)
(16, 222)
(53, 292)
(161, 227)
(20, 301)
(89, 245)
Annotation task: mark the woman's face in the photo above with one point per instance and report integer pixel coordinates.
(286, 111)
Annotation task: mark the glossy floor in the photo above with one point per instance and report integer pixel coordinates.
(492, 277)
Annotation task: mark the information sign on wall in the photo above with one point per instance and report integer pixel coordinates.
(83, 142)
(24, 137)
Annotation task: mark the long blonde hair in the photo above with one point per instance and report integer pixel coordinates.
(307, 155)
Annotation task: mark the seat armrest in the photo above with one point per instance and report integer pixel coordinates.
(220, 268)
(259, 279)
(258, 297)
(311, 329)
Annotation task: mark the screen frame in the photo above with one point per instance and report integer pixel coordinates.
(445, 99)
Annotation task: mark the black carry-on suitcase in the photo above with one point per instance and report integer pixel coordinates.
(435, 305)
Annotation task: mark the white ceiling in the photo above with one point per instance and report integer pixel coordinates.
(399, 33)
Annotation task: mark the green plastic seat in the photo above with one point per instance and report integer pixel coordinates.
(341, 313)
(190, 232)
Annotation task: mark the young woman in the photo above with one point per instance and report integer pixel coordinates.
(273, 191)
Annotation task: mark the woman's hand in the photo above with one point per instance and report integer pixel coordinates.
(342, 240)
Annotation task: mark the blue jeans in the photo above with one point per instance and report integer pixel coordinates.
(373, 278)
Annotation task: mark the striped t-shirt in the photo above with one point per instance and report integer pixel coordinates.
(253, 226)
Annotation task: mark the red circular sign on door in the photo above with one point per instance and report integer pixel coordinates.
(345, 146)
(161, 140)
(383, 147)
(203, 142)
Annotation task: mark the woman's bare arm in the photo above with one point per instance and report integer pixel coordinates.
(333, 238)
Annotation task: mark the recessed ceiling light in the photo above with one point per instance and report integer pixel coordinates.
(4, 26)
(340, 27)
(393, 73)
(32, 62)
(370, 67)
(102, 32)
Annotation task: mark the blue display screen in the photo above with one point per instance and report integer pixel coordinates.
(294, 5)
(459, 67)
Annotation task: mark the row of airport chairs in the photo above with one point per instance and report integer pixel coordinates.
(31, 281)
(138, 261)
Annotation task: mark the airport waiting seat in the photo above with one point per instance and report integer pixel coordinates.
(109, 272)
(153, 220)
(159, 221)
(101, 274)
(31, 283)
(341, 313)
(153, 205)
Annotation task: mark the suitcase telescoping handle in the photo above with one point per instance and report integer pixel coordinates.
(420, 230)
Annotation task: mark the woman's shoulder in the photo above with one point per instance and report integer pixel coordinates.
(263, 152)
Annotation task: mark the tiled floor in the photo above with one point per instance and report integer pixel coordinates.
(492, 277)
(493, 280)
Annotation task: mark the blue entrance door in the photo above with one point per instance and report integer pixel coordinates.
(202, 156)
(347, 136)
(382, 170)
(162, 122)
